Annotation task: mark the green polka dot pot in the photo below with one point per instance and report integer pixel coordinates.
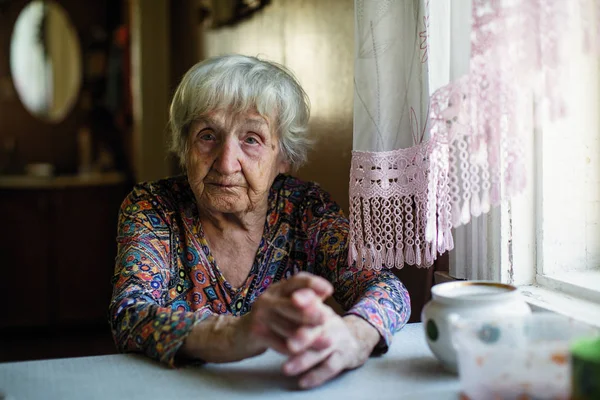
(432, 330)
(463, 300)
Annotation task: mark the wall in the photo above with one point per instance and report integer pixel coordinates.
(150, 80)
(314, 38)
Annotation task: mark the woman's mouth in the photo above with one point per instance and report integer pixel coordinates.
(223, 185)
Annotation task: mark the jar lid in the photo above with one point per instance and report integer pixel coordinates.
(472, 291)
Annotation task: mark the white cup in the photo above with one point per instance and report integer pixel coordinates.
(40, 170)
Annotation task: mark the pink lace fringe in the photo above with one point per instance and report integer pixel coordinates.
(404, 203)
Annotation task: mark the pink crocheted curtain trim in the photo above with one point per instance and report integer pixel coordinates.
(389, 208)
(403, 203)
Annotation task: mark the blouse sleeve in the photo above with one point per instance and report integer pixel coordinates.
(376, 296)
(139, 318)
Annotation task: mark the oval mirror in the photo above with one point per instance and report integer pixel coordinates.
(45, 60)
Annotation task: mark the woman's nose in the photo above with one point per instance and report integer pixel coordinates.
(227, 161)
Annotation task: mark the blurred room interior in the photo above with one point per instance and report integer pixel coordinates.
(84, 93)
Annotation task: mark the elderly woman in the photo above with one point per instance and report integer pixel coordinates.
(236, 257)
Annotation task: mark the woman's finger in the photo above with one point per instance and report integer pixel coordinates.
(304, 280)
(304, 338)
(304, 298)
(303, 362)
(270, 339)
(278, 344)
(321, 343)
(312, 315)
(326, 370)
(316, 337)
(282, 326)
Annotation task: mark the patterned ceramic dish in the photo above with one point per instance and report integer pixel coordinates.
(516, 357)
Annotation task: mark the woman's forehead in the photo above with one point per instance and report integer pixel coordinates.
(227, 117)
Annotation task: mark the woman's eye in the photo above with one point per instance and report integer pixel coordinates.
(251, 140)
(208, 136)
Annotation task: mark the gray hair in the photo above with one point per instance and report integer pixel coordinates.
(240, 83)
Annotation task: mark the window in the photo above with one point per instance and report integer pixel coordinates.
(547, 239)
(569, 220)
(551, 234)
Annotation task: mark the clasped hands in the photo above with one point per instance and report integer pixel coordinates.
(292, 318)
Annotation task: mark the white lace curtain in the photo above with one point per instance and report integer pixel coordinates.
(443, 95)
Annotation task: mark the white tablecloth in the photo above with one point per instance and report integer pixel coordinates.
(407, 371)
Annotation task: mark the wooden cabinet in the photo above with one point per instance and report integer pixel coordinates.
(24, 254)
(57, 251)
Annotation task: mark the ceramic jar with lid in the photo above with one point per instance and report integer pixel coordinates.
(466, 299)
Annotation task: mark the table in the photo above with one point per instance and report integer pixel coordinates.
(407, 371)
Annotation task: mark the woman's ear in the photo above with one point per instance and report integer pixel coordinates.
(284, 167)
(283, 164)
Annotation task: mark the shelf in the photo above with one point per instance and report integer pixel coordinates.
(61, 181)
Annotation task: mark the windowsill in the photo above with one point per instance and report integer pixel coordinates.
(581, 284)
(545, 299)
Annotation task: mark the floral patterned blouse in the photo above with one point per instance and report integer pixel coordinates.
(166, 279)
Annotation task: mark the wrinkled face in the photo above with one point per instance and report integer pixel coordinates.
(232, 161)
